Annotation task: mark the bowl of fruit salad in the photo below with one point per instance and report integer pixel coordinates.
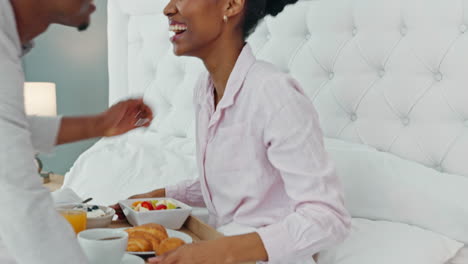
(164, 211)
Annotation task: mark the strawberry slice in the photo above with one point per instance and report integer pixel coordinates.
(161, 207)
(147, 205)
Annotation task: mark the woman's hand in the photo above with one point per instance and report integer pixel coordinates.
(118, 209)
(232, 249)
(205, 252)
(153, 194)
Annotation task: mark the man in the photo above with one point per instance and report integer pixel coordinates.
(30, 229)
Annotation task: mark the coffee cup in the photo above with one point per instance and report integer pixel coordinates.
(103, 245)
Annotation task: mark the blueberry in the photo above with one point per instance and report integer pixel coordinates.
(178, 207)
(95, 207)
(90, 210)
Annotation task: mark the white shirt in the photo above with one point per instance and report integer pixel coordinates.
(30, 228)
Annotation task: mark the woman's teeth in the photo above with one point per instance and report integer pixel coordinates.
(177, 28)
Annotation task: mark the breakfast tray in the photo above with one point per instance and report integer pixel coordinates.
(194, 227)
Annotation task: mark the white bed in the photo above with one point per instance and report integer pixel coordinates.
(388, 78)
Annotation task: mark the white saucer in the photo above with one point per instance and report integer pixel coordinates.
(131, 259)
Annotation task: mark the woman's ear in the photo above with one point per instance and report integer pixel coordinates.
(234, 7)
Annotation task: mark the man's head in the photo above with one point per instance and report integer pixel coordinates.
(33, 17)
(74, 13)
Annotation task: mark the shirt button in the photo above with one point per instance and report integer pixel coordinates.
(438, 76)
(353, 117)
(268, 36)
(331, 75)
(382, 73)
(354, 32)
(463, 28)
(405, 121)
(308, 36)
(404, 31)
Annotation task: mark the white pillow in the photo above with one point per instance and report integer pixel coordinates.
(381, 242)
(382, 186)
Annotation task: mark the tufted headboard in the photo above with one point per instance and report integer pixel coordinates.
(390, 74)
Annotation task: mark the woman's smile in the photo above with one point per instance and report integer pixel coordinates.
(178, 29)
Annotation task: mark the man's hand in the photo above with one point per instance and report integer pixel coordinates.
(125, 116)
(117, 120)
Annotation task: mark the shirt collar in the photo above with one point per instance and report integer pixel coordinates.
(236, 79)
(27, 48)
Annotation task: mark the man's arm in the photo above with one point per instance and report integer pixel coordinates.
(79, 128)
(120, 118)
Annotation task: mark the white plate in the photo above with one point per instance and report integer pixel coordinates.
(171, 233)
(130, 259)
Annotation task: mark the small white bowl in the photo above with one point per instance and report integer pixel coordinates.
(101, 221)
(171, 218)
(94, 222)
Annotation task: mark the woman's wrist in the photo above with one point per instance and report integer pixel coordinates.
(152, 194)
(242, 248)
(157, 193)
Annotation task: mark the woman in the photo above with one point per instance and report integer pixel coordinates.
(260, 152)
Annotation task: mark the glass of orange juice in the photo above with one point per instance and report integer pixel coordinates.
(76, 218)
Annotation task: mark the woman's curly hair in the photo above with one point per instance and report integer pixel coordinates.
(255, 10)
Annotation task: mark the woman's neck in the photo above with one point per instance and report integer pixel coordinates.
(220, 62)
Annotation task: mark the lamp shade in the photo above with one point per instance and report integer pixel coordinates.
(40, 98)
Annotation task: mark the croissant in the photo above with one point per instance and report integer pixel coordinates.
(157, 230)
(169, 244)
(152, 245)
(153, 226)
(139, 244)
(146, 237)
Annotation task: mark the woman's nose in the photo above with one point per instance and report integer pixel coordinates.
(170, 9)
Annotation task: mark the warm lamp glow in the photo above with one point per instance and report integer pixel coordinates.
(40, 98)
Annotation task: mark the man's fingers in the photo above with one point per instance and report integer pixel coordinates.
(142, 122)
(144, 115)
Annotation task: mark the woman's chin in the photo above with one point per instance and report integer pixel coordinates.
(178, 51)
